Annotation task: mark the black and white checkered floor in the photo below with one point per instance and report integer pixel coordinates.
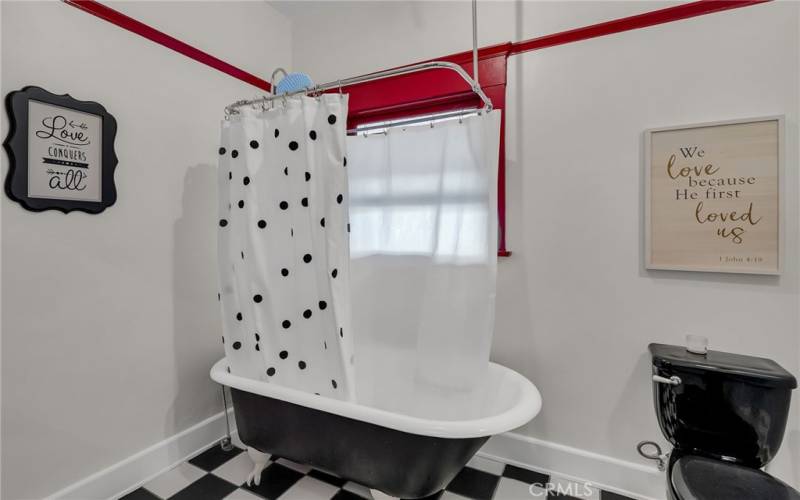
(216, 475)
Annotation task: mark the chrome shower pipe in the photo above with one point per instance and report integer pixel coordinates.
(475, 42)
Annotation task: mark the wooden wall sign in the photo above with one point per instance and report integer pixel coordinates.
(61, 152)
(712, 196)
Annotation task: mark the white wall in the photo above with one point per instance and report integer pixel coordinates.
(110, 322)
(575, 307)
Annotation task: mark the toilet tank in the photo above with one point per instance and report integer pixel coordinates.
(726, 406)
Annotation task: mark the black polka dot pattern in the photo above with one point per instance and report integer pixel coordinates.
(298, 237)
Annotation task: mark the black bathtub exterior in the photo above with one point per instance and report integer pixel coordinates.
(398, 463)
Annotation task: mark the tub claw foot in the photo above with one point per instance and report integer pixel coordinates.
(259, 464)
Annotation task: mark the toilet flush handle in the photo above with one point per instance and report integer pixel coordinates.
(673, 380)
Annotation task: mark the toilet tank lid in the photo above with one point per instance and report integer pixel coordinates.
(761, 371)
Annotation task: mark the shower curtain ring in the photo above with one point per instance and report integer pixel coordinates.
(340, 86)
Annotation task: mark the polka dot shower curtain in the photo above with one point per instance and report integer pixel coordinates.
(423, 209)
(283, 245)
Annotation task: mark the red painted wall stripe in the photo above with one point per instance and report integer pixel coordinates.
(108, 14)
(652, 18)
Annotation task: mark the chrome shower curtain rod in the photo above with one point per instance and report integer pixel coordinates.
(414, 68)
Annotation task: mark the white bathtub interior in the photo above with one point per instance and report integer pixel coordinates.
(506, 400)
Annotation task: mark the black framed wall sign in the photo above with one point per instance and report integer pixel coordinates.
(61, 152)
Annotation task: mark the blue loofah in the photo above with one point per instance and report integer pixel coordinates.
(293, 82)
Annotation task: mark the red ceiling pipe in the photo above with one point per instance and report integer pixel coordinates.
(661, 16)
(108, 14)
(644, 20)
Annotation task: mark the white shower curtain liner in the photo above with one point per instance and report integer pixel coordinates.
(424, 258)
(283, 245)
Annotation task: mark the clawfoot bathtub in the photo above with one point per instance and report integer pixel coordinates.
(403, 455)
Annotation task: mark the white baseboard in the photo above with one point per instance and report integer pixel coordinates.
(607, 473)
(611, 474)
(129, 474)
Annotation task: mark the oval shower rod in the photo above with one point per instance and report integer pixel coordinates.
(403, 70)
(414, 68)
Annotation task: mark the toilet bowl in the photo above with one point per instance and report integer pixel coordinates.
(695, 477)
(725, 415)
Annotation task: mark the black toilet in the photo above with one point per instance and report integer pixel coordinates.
(725, 415)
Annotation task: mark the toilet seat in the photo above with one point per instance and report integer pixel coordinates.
(698, 478)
